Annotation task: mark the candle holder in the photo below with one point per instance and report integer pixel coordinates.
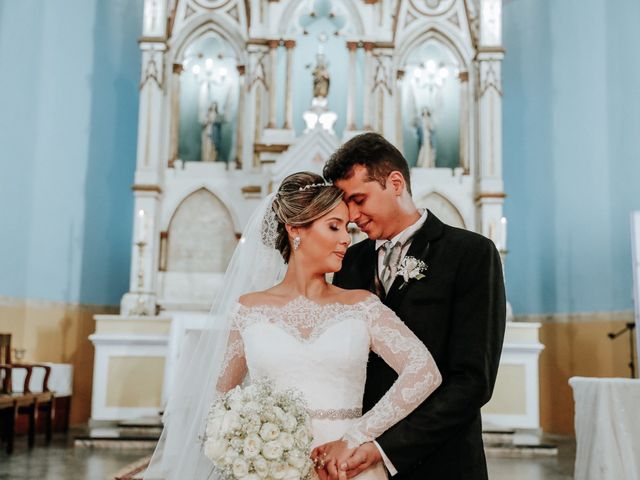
(140, 307)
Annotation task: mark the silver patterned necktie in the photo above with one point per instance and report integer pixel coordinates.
(390, 263)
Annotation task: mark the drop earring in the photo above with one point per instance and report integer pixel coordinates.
(296, 243)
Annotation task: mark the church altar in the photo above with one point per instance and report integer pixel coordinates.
(236, 95)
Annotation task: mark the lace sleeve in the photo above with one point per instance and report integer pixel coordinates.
(234, 366)
(418, 375)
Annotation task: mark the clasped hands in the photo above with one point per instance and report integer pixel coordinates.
(336, 461)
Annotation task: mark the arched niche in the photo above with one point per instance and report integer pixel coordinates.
(442, 208)
(201, 236)
(208, 99)
(306, 22)
(431, 103)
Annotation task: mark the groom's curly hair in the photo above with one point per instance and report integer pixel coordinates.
(372, 151)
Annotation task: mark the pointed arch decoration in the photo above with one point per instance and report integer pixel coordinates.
(443, 208)
(201, 235)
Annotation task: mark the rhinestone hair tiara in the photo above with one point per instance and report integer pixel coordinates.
(313, 185)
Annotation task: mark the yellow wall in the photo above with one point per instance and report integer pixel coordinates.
(577, 345)
(56, 332)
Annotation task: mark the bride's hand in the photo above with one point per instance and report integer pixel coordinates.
(329, 457)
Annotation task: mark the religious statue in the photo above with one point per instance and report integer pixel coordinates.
(211, 133)
(321, 79)
(425, 132)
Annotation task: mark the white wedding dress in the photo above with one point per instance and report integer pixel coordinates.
(322, 351)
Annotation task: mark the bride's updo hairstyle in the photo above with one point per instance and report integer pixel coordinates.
(302, 198)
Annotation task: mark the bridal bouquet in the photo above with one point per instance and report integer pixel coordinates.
(255, 433)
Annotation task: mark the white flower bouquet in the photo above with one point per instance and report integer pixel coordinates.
(255, 433)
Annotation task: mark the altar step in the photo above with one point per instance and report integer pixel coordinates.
(517, 444)
(134, 434)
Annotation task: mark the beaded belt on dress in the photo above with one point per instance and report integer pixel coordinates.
(336, 413)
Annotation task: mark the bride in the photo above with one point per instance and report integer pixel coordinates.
(277, 317)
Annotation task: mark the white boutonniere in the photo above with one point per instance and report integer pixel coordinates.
(411, 268)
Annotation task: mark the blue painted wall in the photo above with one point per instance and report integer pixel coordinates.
(68, 121)
(571, 156)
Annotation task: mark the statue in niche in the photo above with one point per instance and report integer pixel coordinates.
(321, 79)
(211, 133)
(425, 132)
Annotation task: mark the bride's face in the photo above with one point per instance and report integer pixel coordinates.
(324, 242)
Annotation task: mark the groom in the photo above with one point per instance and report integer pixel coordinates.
(457, 309)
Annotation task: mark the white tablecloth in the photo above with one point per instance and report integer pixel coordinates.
(60, 380)
(607, 428)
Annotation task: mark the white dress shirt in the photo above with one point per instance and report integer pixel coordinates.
(402, 237)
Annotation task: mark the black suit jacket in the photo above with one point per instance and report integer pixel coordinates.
(458, 311)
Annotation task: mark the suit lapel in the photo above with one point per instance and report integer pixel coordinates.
(419, 248)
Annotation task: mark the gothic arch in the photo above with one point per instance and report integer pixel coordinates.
(443, 208)
(287, 15)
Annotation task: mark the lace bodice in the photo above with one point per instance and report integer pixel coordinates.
(322, 351)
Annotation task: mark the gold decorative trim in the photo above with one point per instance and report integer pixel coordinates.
(152, 40)
(146, 188)
(490, 195)
(251, 189)
(270, 148)
(491, 50)
(257, 41)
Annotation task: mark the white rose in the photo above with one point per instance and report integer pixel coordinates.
(253, 424)
(286, 440)
(213, 426)
(252, 446)
(215, 449)
(268, 415)
(230, 455)
(412, 264)
(302, 437)
(230, 422)
(278, 470)
(279, 413)
(290, 423)
(297, 460)
(292, 474)
(237, 443)
(272, 450)
(269, 431)
(240, 467)
(261, 466)
(235, 400)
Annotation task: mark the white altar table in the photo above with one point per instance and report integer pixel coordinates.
(607, 428)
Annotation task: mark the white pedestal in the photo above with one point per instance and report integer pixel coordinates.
(129, 366)
(516, 396)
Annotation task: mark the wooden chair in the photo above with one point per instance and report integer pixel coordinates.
(14, 404)
(25, 402)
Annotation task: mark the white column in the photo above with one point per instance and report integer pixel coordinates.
(351, 86)
(368, 87)
(241, 116)
(255, 83)
(175, 113)
(489, 183)
(464, 120)
(383, 77)
(398, 119)
(273, 63)
(288, 106)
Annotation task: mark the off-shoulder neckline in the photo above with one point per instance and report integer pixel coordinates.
(307, 300)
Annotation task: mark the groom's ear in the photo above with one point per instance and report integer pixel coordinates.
(396, 181)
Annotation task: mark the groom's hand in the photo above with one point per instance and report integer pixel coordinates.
(362, 458)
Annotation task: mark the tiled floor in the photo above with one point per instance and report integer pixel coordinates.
(61, 461)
